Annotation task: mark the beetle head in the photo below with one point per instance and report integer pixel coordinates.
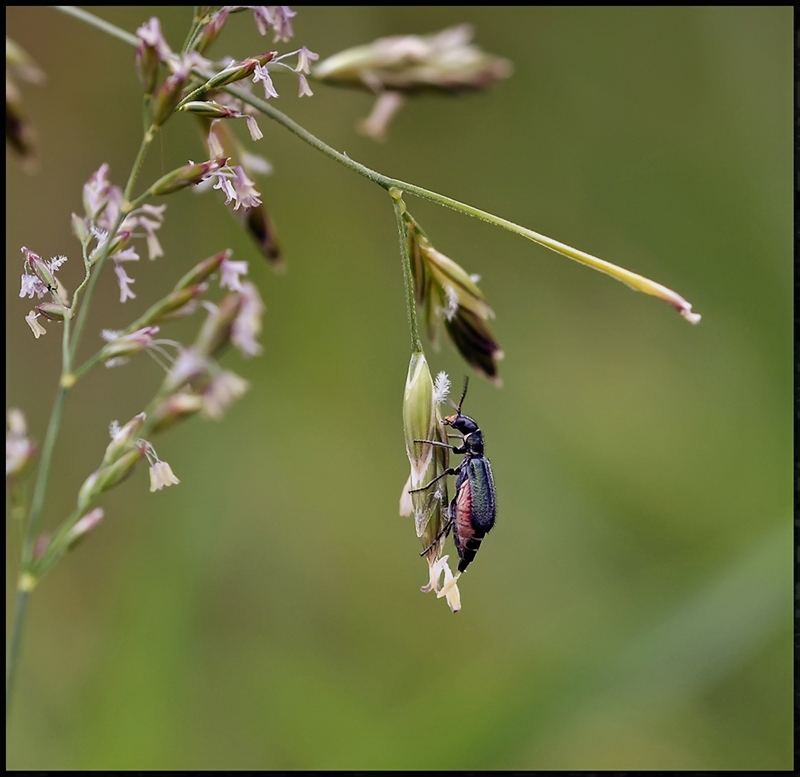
(462, 423)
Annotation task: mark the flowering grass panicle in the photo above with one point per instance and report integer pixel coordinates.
(119, 223)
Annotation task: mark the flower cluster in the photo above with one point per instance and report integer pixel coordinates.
(192, 74)
(107, 229)
(196, 85)
(39, 280)
(253, 214)
(194, 381)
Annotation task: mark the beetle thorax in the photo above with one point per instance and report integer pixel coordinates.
(474, 442)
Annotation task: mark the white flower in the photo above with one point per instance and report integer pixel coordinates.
(124, 281)
(304, 90)
(230, 272)
(161, 476)
(247, 325)
(253, 128)
(304, 59)
(187, 366)
(246, 193)
(19, 448)
(37, 329)
(222, 392)
(448, 589)
(262, 74)
(215, 148)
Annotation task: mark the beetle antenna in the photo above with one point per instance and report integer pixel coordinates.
(463, 394)
(457, 407)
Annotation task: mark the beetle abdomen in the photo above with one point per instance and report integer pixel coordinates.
(484, 507)
(473, 509)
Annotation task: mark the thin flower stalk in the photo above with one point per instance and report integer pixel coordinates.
(631, 279)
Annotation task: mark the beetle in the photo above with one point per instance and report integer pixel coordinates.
(473, 510)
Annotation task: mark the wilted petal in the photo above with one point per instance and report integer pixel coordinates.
(450, 590)
(32, 321)
(447, 589)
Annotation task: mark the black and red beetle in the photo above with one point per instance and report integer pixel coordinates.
(473, 510)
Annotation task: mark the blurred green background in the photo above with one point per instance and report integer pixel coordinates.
(633, 607)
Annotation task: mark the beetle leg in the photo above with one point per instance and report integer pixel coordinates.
(438, 444)
(451, 471)
(445, 530)
(455, 448)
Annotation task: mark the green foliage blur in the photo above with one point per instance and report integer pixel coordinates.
(633, 607)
